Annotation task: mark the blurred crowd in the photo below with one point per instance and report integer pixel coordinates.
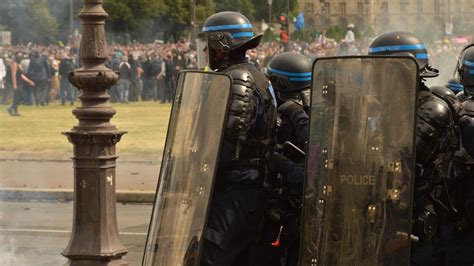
(148, 72)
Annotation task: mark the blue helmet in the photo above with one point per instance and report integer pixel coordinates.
(289, 72)
(404, 43)
(465, 69)
(454, 85)
(226, 35)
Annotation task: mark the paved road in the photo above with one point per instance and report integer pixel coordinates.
(35, 233)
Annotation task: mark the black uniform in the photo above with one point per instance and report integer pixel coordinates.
(290, 74)
(237, 203)
(279, 238)
(436, 143)
(457, 245)
(238, 200)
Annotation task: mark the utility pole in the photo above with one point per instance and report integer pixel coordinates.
(288, 19)
(449, 11)
(270, 2)
(95, 237)
(193, 20)
(71, 17)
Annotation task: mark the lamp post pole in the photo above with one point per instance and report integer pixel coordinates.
(71, 17)
(193, 20)
(94, 238)
(270, 2)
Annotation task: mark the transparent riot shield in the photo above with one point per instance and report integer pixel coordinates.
(360, 162)
(188, 168)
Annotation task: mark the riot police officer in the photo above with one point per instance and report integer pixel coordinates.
(290, 76)
(436, 141)
(238, 200)
(458, 234)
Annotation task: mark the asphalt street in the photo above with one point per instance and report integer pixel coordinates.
(35, 233)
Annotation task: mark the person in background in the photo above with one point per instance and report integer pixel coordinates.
(161, 85)
(54, 84)
(252, 55)
(39, 72)
(170, 73)
(134, 78)
(18, 77)
(29, 94)
(123, 84)
(349, 40)
(6, 91)
(67, 92)
(5, 80)
(157, 67)
(114, 65)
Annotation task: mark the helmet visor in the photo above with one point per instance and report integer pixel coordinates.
(202, 53)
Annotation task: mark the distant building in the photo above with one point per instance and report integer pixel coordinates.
(384, 15)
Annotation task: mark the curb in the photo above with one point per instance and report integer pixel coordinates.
(29, 194)
(38, 157)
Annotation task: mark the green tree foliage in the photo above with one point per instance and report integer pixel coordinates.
(29, 21)
(245, 7)
(278, 7)
(151, 19)
(204, 8)
(336, 32)
(129, 16)
(175, 17)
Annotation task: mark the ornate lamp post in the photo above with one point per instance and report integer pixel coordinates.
(94, 238)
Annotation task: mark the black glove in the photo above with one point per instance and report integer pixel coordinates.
(276, 161)
(290, 109)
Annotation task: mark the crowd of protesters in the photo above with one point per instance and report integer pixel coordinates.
(38, 75)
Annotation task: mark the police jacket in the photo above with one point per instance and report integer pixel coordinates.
(249, 131)
(436, 142)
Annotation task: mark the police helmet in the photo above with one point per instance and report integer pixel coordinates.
(454, 85)
(465, 69)
(404, 43)
(225, 35)
(289, 72)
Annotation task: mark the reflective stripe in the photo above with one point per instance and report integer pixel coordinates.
(272, 92)
(242, 34)
(454, 85)
(300, 79)
(227, 27)
(397, 48)
(290, 74)
(422, 56)
(468, 63)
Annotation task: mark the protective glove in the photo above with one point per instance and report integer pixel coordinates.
(290, 109)
(276, 161)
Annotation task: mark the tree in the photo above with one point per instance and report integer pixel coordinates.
(246, 7)
(61, 10)
(29, 21)
(278, 7)
(175, 17)
(130, 16)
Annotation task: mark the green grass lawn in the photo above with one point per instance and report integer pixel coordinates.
(38, 129)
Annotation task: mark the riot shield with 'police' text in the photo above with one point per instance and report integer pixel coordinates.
(188, 169)
(360, 162)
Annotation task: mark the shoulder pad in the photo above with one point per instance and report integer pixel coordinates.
(442, 91)
(454, 104)
(468, 107)
(435, 112)
(241, 75)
